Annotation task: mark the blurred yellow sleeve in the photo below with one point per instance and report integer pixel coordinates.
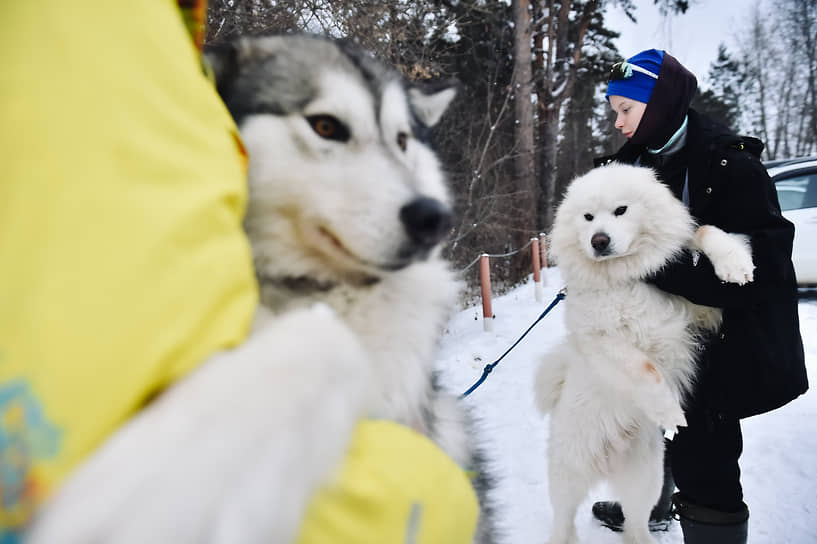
(122, 257)
(395, 486)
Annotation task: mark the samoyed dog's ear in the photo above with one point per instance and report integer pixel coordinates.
(562, 239)
(430, 101)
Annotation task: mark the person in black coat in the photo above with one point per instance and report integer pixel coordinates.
(755, 363)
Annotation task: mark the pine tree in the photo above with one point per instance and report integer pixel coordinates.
(721, 100)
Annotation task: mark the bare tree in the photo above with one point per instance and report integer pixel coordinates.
(800, 17)
(478, 142)
(758, 74)
(778, 66)
(560, 30)
(523, 91)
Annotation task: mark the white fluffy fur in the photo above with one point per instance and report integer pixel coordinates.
(211, 460)
(349, 330)
(628, 358)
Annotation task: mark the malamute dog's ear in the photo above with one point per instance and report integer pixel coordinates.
(430, 101)
(222, 59)
(225, 58)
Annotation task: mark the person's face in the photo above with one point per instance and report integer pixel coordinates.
(628, 114)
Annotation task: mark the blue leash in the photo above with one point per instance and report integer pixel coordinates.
(488, 368)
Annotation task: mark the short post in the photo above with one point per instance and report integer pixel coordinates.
(536, 275)
(485, 284)
(543, 248)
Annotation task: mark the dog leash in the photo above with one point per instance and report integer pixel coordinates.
(488, 368)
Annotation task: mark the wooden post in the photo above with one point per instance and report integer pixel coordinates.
(536, 275)
(485, 284)
(543, 248)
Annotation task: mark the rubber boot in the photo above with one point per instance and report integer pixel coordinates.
(610, 515)
(702, 525)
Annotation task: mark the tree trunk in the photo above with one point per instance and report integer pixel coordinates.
(548, 145)
(523, 91)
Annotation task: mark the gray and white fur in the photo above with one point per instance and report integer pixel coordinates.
(348, 205)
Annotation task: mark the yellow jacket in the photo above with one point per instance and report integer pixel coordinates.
(395, 486)
(122, 256)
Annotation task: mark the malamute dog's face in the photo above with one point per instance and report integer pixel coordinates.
(342, 181)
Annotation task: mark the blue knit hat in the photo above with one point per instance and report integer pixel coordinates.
(636, 78)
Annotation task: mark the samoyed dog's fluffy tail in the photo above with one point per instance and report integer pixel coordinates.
(550, 378)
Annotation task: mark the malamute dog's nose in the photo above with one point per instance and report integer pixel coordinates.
(426, 220)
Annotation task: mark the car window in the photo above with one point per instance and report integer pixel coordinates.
(798, 191)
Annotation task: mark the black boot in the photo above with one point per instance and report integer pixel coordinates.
(702, 525)
(610, 515)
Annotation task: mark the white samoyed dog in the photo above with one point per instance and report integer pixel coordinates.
(628, 359)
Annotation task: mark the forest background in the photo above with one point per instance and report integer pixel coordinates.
(531, 114)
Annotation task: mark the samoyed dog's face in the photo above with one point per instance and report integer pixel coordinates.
(618, 222)
(609, 225)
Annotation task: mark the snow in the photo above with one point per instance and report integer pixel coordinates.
(779, 463)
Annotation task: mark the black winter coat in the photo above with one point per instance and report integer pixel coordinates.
(756, 362)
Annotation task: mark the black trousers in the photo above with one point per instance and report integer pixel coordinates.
(704, 458)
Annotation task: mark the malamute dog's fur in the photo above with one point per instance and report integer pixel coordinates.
(347, 207)
(629, 358)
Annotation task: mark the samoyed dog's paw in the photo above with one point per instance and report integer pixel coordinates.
(669, 416)
(730, 254)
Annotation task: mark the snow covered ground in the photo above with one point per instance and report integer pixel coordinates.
(779, 463)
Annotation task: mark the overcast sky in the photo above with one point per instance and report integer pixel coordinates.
(692, 37)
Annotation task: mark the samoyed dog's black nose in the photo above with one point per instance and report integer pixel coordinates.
(600, 242)
(426, 220)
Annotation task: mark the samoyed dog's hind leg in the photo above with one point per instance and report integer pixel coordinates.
(567, 490)
(595, 434)
(636, 481)
(570, 453)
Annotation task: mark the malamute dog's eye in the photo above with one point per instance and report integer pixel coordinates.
(402, 140)
(328, 127)
(620, 210)
(588, 216)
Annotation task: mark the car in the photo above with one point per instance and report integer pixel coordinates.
(796, 184)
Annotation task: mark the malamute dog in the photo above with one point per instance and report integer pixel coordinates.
(348, 205)
(628, 359)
